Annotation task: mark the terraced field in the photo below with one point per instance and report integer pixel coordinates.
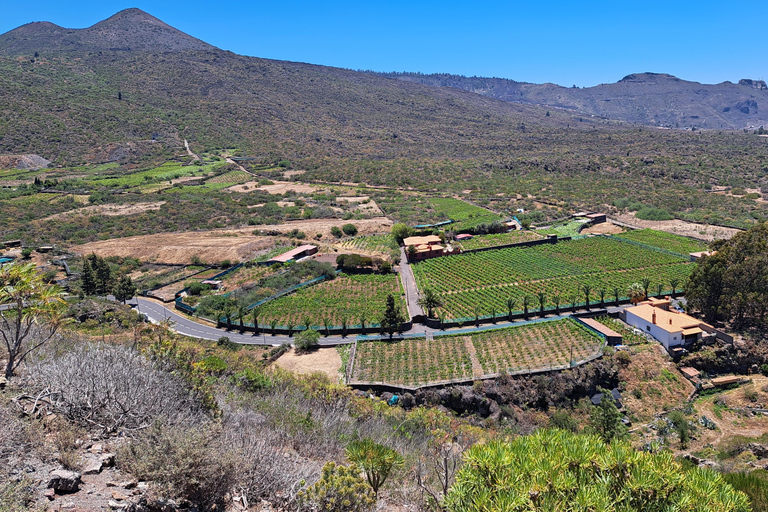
(664, 240)
(349, 298)
(415, 362)
(513, 237)
(480, 284)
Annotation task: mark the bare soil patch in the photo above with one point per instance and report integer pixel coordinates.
(323, 226)
(279, 187)
(179, 248)
(110, 210)
(681, 227)
(289, 174)
(323, 360)
(368, 207)
(604, 228)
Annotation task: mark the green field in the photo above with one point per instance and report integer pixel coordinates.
(464, 215)
(512, 237)
(413, 362)
(668, 241)
(354, 297)
(371, 243)
(480, 283)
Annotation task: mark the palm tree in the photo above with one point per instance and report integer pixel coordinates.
(255, 317)
(344, 321)
(574, 301)
(616, 293)
(586, 289)
(511, 303)
(241, 312)
(556, 301)
(542, 297)
(659, 289)
(526, 303)
(493, 314)
(306, 323)
(441, 316)
(476, 310)
(646, 281)
(363, 319)
(636, 292)
(674, 282)
(228, 315)
(601, 292)
(273, 326)
(327, 324)
(290, 328)
(430, 301)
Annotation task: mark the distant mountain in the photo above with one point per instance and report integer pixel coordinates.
(129, 30)
(644, 98)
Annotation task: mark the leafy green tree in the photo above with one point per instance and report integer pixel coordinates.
(349, 229)
(400, 231)
(340, 489)
(26, 253)
(430, 301)
(554, 470)
(306, 340)
(31, 314)
(124, 289)
(88, 278)
(605, 419)
(335, 231)
(393, 318)
(374, 460)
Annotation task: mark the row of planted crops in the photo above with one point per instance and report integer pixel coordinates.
(530, 347)
(487, 283)
(347, 301)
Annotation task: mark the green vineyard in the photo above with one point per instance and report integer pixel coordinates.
(481, 284)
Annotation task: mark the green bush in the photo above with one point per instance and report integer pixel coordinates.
(335, 231)
(340, 489)
(349, 229)
(306, 340)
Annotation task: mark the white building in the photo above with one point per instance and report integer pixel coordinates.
(671, 328)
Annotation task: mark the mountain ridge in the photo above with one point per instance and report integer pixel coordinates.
(128, 30)
(654, 99)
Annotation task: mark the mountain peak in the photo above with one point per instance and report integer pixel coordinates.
(128, 30)
(648, 77)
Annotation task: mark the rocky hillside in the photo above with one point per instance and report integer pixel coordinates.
(644, 98)
(129, 30)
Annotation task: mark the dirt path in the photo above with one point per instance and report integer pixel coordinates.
(189, 151)
(477, 368)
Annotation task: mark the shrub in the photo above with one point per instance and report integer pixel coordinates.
(349, 229)
(225, 343)
(124, 390)
(186, 462)
(622, 357)
(196, 288)
(26, 253)
(335, 231)
(339, 489)
(306, 340)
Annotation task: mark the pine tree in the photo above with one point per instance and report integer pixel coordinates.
(88, 278)
(125, 289)
(103, 276)
(392, 317)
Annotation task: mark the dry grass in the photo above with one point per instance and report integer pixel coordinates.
(323, 360)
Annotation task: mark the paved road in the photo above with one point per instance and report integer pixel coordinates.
(157, 312)
(409, 285)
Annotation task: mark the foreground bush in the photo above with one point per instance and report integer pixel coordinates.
(558, 470)
(113, 388)
(340, 489)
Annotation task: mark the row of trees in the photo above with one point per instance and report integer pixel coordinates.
(636, 292)
(731, 284)
(97, 278)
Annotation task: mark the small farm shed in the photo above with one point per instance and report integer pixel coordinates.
(294, 254)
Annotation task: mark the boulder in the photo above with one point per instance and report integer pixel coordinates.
(93, 467)
(64, 481)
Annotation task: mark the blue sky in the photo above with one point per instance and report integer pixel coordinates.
(568, 43)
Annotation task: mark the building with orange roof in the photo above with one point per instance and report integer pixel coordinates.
(429, 246)
(671, 328)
